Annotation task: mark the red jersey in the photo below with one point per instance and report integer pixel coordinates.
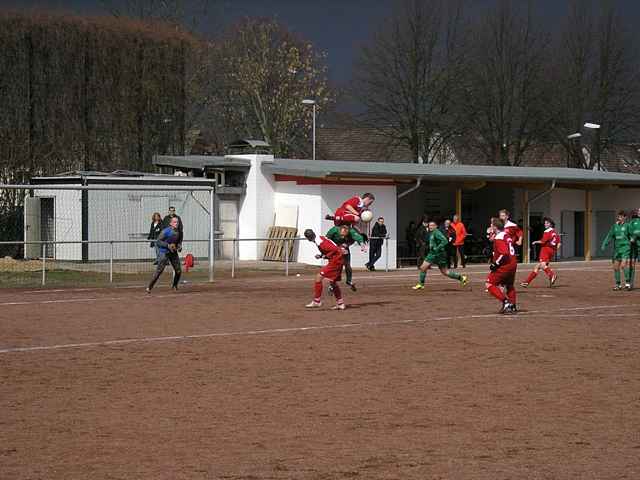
(549, 244)
(355, 202)
(329, 249)
(513, 231)
(503, 252)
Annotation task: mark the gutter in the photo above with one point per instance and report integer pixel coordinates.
(542, 194)
(414, 188)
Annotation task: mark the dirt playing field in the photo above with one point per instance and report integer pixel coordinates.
(237, 381)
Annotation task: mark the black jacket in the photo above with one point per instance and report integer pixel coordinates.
(154, 231)
(378, 231)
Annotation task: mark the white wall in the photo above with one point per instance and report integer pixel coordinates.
(68, 221)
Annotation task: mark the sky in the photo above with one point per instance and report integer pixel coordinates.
(338, 27)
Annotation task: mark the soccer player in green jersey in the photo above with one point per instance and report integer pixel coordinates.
(437, 256)
(621, 238)
(634, 232)
(345, 236)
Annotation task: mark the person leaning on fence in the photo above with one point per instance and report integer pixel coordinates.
(167, 219)
(378, 234)
(154, 232)
(168, 244)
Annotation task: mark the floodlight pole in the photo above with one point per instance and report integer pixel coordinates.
(313, 103)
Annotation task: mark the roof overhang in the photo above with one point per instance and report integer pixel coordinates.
(459, 175)
(201, 162)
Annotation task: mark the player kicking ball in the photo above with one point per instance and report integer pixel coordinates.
(168, 248)
(503, 268)
(437, 256)
(331, 271)
(549, 243)
(349, 212)
(621, 261)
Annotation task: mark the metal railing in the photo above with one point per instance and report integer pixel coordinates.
(111, 260)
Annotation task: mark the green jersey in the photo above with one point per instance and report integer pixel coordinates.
(621, 237)
(437, 242)
(353, 236)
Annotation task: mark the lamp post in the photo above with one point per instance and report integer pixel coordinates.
(312, 102)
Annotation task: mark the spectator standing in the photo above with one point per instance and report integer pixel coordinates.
(450, 249)
(409, 236)
(461, 234)
(154, 232)
(378, 234)
(167, 221)
(422, 240)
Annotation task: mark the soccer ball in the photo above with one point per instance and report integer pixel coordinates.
(366, 216)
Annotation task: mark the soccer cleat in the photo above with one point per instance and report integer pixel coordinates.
(313, 304)
(617, 287)
(329, 217)
(508, 308)
(148, 290)
(627, 287)
(418, 286)
(524, 284)
(464, 280)
(174, 288)
(553, 279)
(339, 306)
(352, 286)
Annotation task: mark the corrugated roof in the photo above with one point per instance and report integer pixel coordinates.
(199, 161)
(447, 173)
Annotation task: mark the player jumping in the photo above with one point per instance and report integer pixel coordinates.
(437, 256)
(168, 248)
(331, 271)
(620, 234)
(549, 243)
(503, 268)
(345, 236)
(349, 212)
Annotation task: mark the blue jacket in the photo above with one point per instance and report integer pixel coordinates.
(167, 236)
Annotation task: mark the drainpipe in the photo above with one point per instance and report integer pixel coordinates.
(527, 202)
(412, 189)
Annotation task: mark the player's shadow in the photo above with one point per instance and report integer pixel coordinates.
(368, 304)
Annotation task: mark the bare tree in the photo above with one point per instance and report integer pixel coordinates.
(261, 73)
(407, 79)
(596, 79)
(506, 92)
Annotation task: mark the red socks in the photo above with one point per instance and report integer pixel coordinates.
(511, 294)
(531, 276)
(496, 292)
(548, 272)
(317, 291)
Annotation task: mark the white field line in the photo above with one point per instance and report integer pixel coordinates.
(288, 330)
(97, 299)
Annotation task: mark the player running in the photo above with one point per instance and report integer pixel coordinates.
(549, 243)
(634, 232)
(345, 236)
(349, 212)
(503, 268)
(331, 271)
(437, 256)
(168, 248)
(621, 260)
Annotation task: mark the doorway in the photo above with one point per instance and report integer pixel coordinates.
(48, 225)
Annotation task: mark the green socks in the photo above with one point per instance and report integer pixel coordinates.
(454, 275)
(627, 275)
(423, 277)
(616, 275)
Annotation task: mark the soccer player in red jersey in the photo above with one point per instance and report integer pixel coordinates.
(549, 243)
(512, 229)
(331, 271)
(349, 212)
(503, 268)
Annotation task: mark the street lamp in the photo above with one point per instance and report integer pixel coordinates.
(312, 102)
